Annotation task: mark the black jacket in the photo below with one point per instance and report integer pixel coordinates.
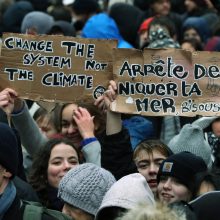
(117, 154)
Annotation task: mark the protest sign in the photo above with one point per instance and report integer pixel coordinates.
(55, 68)
(167, 82)
(153, 82)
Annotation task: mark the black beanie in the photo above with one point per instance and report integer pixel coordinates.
(85, 6)
(8, 149)
(184, 166)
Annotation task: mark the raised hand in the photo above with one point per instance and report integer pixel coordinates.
(7, 100)
(84, 122)
(103, 102)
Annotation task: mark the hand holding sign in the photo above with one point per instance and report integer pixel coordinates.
(7, 100)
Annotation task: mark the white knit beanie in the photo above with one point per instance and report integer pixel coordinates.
(127, 192)
(191, 139)
(84, 187)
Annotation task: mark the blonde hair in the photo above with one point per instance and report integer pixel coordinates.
(153, 212)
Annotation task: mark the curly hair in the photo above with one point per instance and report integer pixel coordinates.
(38, 174)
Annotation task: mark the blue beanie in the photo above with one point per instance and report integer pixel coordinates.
(8, 149)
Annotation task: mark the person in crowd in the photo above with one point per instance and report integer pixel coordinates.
(148, 212)
(101, 26)
(191, 45)
(60, 13)
(82, 190)
(162, 33)
(206, 206)
(143, 40)
(139, 128)
(128, 19)
(148, 156)
(196, 8)
(191, 138)
(13, 16)
(145, 158)
(201, 28)
(116, 143)
(176, 177)
(81, 11)
(211, 133)
(36, 22)
(64, 28)
(163, 8)
(213, 44)
(50, 164)
(45, 122)
(75, 123)
(11, 206)
(206, 182)
(124, 195)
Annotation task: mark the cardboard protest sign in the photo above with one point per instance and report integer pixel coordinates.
(55, 68)
(167, 82)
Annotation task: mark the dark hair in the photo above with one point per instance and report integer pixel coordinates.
(166, 22)
(60, 12)
(99, 119)
(110, 213)
(195, 43)
(189, 28)
(38, 173)
(210, 177)
(41, 112)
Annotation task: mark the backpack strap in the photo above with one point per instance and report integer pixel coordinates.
(33, 212)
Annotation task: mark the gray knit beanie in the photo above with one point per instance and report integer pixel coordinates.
(84, 187)
(41, 21)
(204, 122)
(191, 139)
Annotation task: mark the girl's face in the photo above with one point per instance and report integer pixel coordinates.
(216, 128)
(68, 126)
(171, 190)
(191, 34)
(62, 158)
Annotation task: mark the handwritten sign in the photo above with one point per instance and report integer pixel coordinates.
(167, 82)
(55, 68)
(153, 82)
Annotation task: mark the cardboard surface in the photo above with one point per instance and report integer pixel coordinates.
(167, 82)
(154, 82)
(55, 68)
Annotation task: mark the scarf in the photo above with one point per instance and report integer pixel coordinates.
(7, 198)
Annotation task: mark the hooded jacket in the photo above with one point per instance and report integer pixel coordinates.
(101, 26)
(126, 193)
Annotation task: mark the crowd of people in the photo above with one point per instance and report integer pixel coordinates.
(83, 161)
